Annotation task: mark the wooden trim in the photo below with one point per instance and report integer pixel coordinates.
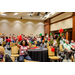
(62, 19)
(46, 24)
(57, 15)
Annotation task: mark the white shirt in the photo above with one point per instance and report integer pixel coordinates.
(1, 40)
(38, 39)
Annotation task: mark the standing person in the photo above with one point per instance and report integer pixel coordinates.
(1, 41)
(24, 46)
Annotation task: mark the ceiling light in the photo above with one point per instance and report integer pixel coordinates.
(16, 14)
(3, 14)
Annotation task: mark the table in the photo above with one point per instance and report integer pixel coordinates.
(40, 55)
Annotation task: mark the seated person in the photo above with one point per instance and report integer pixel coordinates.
(1, 41)
(62, 41)
(43, 44)
(32, 41)
(68, 50)
(7, 57)
(24, 46)
(72, 44)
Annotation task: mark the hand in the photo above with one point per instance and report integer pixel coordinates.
(17, 41)
(27, 41)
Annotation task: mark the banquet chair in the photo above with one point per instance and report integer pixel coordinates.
(33, 45)
(14, 52)
(35, 42)
(29, 61)
(13, 59)
(12, 44)
(3, 43)
(51, 55)
(72, 59)
(47, 44)
(61, 48)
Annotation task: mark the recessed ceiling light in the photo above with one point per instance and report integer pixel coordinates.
(16, 14)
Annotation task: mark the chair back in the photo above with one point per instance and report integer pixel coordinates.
(61, 48)
(33, 46)
(14, 50)
(35, 42)
(12, 44)
(50, 53)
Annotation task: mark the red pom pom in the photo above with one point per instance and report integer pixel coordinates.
(52, 49)
(19, 37)
(61, 30)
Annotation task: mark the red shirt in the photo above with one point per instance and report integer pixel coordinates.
(6, 40)
(14, 38)
(48, 39)
(9, 40)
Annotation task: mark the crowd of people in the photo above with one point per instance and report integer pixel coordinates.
(24, 44)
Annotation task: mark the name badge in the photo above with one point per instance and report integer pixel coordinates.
(22, 51)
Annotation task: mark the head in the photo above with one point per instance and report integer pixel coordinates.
(67, 42)
(9, 37)
(6, 37)
(54, 37)
(72, 41)
(24, 43)
(43, 41)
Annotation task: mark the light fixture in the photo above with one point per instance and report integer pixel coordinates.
(3, 14)
(16, 14)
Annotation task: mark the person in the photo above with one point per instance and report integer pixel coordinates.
(68, 50)
(35, 38)
(32, 41)
(1, 41)
(54, 43)
(4, 57)
(62, 41)
(24, 46)
(38, 41)
(48, 38)
(43, 44)
(72, 43)
(9, 40)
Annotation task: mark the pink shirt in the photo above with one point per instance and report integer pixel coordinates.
(22, 48)
(48, 39)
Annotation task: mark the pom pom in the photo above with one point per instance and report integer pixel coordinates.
(19, 37)
(61, 30)
(52, 49)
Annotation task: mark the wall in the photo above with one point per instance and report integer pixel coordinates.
(65, 24)
(21, 26)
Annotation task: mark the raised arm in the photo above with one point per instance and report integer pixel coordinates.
(28, 44)
(17, 44)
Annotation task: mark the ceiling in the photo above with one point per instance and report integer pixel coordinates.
(29, 15)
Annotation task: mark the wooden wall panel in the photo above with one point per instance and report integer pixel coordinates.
(73, 30)
(47, 27)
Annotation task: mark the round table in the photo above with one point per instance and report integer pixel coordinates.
(40, 54)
